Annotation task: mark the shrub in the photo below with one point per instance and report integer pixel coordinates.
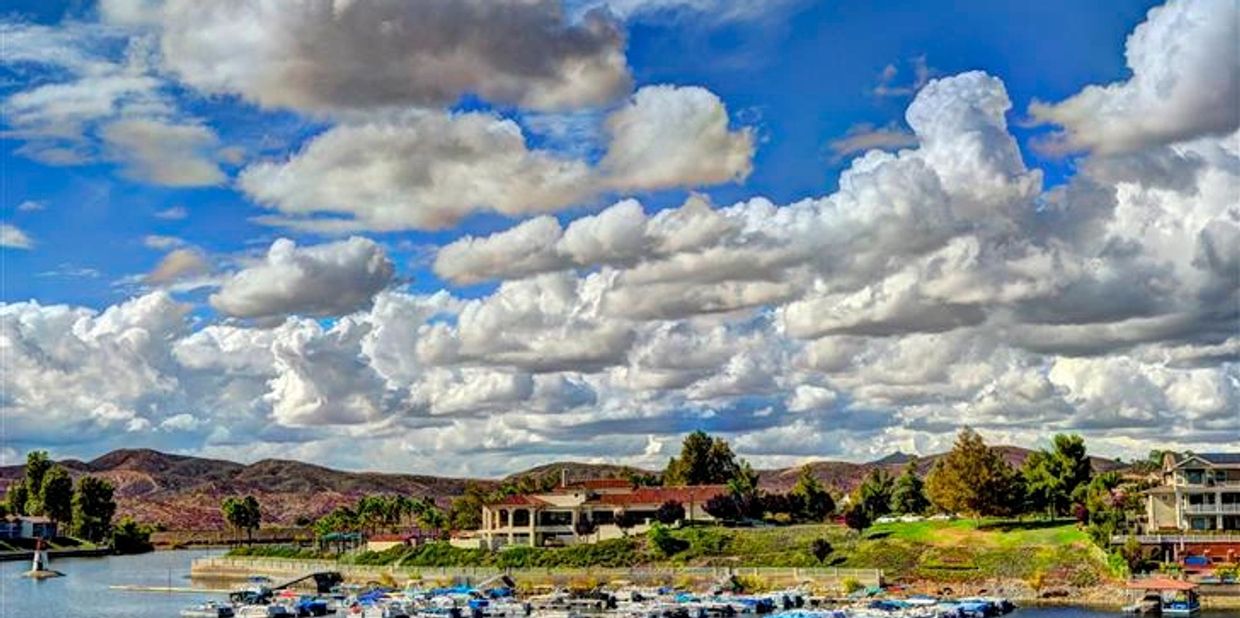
(670, 512)
(663, 542)
(820, 549)
(850, 585)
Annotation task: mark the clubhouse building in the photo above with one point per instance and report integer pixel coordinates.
(586, 512)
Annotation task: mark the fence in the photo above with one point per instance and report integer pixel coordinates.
(1178, 539)
(232, 568)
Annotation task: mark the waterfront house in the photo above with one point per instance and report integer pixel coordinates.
(24, 527)
(586, 512)
(1199, 493)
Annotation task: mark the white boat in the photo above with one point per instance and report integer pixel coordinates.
(265, 611)
(209, 609)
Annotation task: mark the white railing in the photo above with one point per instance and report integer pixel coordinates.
(1212, 509)
(1160, 539)
(1179, 482)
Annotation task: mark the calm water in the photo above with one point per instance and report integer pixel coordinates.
(84, 593)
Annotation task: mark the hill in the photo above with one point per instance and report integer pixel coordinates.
(184, 493)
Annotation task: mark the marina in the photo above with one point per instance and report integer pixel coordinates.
(157, 585)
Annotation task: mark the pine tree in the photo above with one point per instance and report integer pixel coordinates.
(874, 494)
(815, 501)
(908, 497)
(973, 479)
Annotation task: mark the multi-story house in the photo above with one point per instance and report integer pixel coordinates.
(556, 517)
(1199, 492)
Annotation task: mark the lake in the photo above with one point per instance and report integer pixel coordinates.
(85, 593)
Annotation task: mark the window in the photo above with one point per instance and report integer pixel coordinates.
(1195, 477)
(555, 518)
(521, 517)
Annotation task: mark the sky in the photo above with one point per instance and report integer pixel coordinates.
(469, 236)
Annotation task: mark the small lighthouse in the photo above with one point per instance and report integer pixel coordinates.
(38, 565)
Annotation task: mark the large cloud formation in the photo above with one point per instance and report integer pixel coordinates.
(1185, 83)
(429, 170)
(940, 285)
(333, 56)
(323, 280)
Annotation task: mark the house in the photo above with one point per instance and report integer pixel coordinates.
(23, 527)
(585, 512)
(1199, 493)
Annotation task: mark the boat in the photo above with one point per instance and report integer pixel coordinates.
(208, 609)
(265, 611)
(1163, 596)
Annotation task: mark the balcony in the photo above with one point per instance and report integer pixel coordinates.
(1212, 509)
(1209, 484)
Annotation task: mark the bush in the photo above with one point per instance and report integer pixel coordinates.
(820, 549)
(663, 542)
(670, 512)
(130, 537)
(850, 585)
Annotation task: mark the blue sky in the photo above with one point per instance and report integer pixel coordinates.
(286, 228)
(807, 73)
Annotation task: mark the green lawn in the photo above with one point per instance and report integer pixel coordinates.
(1052, 552)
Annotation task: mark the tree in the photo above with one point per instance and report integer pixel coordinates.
(743, 487)
(1051, 477)
(56, 495)
(16, 497)
(341, 519)
(1132, 553)
(670, 512)
(703, 461)
(37, 465)
(243, 514)
(466, 511)
(973, 479)
(856, 518)
(874, 493)
(814, 500)
(908, 496)
(820, 549)
(130, 537)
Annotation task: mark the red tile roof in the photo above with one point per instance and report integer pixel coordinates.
(698, 494)
(601, 484)
(518, 500)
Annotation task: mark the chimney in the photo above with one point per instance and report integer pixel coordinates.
(564, 476)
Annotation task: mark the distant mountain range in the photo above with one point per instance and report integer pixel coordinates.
(184, 493)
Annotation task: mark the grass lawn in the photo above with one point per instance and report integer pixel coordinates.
(1046, 552)
(987, 532)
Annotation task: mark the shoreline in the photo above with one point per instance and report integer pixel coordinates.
(1106, 597)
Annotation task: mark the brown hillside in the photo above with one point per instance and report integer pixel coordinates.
(184, 493)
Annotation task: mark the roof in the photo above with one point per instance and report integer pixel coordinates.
(659, 495)
(518, 500)
(601, 484)
(1160, 583)
(1220, 458)
(35, 519)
